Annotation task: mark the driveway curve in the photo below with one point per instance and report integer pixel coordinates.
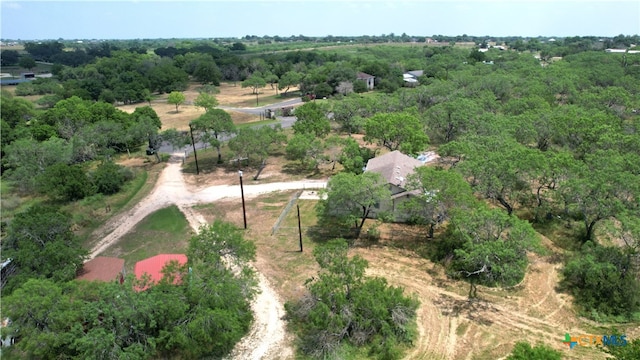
(266, 339)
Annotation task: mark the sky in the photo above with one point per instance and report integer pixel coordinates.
(145, 19)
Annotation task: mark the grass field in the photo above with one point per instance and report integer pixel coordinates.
(164, 231)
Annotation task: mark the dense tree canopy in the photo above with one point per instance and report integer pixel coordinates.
(203, 316)
(344, 306)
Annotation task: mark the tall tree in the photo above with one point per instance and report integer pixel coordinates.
(351, 199)
(41, 244)
(289, 79)
(310, 119)
(254, 144)
(206, 101)
(493, 247)
(215, 121)
(307, 149)
(397, 131)
(176, 98)
(255, 82)
(27, 62)
(439, 193)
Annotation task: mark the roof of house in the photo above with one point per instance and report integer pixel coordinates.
(364, 76)
(394, 167)
(153, 266)
(101, 268)
(416, 73)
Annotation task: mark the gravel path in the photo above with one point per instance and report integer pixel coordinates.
(266, 339)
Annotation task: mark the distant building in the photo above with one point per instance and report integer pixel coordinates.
(410, 78)
(368, 79)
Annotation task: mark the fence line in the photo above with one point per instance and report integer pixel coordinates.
(285, 211)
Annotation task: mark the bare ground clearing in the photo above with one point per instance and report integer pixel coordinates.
(229, 95)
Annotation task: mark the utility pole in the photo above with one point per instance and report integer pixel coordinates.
(244, 212)
(195, 155)
(299, 227)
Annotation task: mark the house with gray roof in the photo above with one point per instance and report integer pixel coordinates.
(395, 168)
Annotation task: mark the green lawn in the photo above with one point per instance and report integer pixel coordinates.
(164, 231)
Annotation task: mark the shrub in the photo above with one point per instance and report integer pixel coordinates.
(65, 182)
(523, 351)
(602, 280)
(344, 308)
(109, 177)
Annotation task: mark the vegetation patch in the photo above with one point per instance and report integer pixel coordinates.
(164, 231)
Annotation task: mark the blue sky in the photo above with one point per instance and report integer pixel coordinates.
(30, 20)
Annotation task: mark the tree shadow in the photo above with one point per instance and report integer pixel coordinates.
(473, 309)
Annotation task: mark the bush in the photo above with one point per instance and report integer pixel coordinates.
(360, 87)
(109, 177)
(523, 351)
(344, 308)
(603, 280)
(65, 182)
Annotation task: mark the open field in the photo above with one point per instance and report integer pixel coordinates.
(164, 231)
(229, 95)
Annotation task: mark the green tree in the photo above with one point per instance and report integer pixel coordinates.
(501, 169)
(522, 350)
(347, 113)
(254, 144)
(27, 158)
(307, 149)
(15, 110)
(65, 182)
(603, 280)
(289, 79)
(602, 188)
(345, 307)
(9, 57)
(310, 119)
(397, 131)
(207, 72)
(219, 123)
(452, 118)
(109, 177)
(206, 101)
(147, 111)
(255, 82)
(351, 199)
(41, 244)
(176, 98)
(439, 192)
(166, 78)
(354, 157)
(27, 62)
(493, 247)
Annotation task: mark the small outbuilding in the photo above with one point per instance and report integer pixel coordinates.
(102, 268)
(368, 79)
(152, 267)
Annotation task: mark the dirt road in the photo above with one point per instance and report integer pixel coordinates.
(266, 340)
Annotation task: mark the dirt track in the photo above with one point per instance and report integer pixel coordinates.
(452, 327)
(266, 340)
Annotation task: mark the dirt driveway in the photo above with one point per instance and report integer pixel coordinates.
(266, 339)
